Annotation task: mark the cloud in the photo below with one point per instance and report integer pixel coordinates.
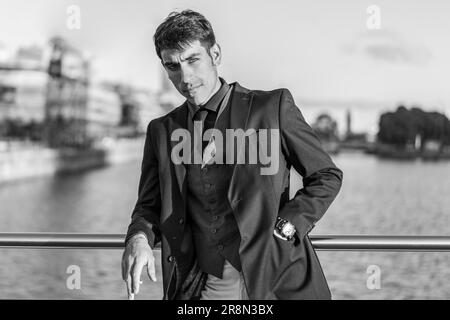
(388, 47)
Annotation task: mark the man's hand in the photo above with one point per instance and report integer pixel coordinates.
(137, 254)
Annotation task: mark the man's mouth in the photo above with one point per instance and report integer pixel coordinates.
(191, 89)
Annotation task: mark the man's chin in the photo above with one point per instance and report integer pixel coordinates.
(195, 100)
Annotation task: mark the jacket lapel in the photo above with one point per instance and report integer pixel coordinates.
(240, 110)
(179, 122)
(241, 102)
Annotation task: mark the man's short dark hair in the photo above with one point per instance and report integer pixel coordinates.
(181, 28)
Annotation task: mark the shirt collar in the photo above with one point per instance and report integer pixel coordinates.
(214, 102)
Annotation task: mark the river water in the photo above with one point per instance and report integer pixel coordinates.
(378, 197)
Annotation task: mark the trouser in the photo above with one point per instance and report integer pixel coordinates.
(230, 287)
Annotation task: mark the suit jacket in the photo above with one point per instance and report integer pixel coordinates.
(272, 268)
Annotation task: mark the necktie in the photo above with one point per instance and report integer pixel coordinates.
(199, 124)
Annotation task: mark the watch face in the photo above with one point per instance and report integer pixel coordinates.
(288, 229)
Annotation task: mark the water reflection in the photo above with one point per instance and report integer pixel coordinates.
(377, 197)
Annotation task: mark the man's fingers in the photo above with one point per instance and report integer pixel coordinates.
(136, 275)
(151, 269)
(130, 293)
(126, 276)
(125, 268)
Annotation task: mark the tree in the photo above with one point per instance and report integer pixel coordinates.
(402, 126)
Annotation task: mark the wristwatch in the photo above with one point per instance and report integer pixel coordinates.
(285, 228)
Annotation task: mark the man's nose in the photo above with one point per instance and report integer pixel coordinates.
(185, 75)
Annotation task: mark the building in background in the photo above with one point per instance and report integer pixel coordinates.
(354, 140)
(47, 95)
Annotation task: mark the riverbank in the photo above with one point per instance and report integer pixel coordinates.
(34, 161)
(393, 152)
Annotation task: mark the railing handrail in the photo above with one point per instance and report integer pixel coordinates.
(44, 240)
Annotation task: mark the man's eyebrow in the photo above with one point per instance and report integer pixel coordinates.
(194, 55)
(171, 63)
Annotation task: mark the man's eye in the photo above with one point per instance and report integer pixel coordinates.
(193, 60)
(172, 67)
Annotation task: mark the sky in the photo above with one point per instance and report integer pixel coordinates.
(322, 51)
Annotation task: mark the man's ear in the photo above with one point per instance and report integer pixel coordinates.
(216, 54)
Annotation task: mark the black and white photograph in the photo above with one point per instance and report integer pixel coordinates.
(224, 150)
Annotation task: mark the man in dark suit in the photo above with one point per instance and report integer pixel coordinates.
(227, 227)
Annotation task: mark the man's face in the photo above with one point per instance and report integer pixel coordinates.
(193, 71)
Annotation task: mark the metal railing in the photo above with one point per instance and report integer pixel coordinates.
(319, 242)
